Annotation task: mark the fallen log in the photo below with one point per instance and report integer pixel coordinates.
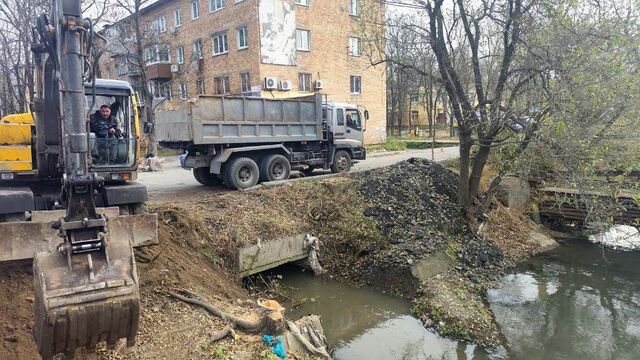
(271, 321)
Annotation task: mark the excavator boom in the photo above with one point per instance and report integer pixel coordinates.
(86, 285)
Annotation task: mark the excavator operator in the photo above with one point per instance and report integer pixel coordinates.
(103, 124)
(105, 127)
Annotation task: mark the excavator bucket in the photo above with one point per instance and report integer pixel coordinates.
(95, 300)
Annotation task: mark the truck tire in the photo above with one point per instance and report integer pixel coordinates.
(241, 173)
(274, 167)
(341, 162)
(204, 177)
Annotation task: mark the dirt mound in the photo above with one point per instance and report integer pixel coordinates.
(220, 223)
(414, 204)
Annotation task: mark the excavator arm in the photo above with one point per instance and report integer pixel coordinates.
(87, 287)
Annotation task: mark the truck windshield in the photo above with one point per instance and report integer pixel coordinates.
(353, 119)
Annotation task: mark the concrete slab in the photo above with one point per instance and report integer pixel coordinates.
(271, 254)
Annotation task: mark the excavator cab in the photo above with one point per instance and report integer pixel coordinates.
(116, 150)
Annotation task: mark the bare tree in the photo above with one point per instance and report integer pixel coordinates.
(516, 71)
(131, 44)
(17, 18)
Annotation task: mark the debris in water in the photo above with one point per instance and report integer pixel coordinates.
(619, 237)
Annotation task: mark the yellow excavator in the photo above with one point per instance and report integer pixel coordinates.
(68, 199)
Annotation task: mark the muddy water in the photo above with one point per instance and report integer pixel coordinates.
(364, 324)
(582, 302)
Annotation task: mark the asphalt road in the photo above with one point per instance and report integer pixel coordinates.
(176, 182)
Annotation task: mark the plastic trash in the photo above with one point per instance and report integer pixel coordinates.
(275, 342)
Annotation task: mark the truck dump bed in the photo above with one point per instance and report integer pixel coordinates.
(239, 120)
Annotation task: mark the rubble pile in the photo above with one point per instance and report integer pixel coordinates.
(414, 204)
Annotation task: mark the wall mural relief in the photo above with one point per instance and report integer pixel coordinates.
(277, 32)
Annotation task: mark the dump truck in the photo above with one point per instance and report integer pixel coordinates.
(241, 141)
(67, 199)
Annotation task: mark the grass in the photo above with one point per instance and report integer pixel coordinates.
(390, 145)
(401, 144)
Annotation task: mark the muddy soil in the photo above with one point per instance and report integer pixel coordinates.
(372, 226)
(168, 329)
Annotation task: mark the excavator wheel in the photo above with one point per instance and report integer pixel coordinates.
(97, 300)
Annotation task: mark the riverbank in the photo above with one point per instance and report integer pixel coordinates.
(396, 229)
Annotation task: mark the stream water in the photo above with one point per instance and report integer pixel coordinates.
(580, 302)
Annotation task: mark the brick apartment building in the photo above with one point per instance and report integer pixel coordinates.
(268, 48)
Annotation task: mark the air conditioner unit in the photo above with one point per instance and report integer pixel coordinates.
(174, 31)
(175, 68)
(271, 83)
(319, 84)
(286, 85)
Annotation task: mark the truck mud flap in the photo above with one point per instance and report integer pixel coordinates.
(21, 240)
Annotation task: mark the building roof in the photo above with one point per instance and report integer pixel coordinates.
(143, 11)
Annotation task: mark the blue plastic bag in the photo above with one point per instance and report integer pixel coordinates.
(276, 345)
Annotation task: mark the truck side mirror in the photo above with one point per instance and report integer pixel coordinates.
(147, 128)
(366, 114)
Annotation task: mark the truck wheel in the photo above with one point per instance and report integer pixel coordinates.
(341, 162)
(204, 177)
(242, 173)
(274, 167)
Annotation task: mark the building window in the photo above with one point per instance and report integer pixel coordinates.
(162, 23)
(356, 84)
(195, 9)
(197, 49)
(303, 40)
(215, 5)
(354, 7)
(245, 82)
(177, 18)
(302, 2)
(243, 38)
(156, 53)
(354, 46)
(184, 93)
(180, 54)
(304, 82)
(200, 85)
(159, 89)
(222, 85)
(219, 42)
(158, 25)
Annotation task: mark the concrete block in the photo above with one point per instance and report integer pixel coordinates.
(514, 193)
(271, 254)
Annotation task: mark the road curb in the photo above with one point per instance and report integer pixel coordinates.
(384, 153)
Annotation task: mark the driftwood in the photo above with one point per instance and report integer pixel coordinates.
(271, 322)
(228, 330)
(306, 333)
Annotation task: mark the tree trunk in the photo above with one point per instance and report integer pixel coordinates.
(477, 169)
(463, 186)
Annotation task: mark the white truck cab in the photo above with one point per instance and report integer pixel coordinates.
(346, 125)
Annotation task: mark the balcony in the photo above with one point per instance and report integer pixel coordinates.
(159, 71)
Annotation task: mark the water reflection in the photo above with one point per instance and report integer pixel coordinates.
(582, 303)
(364, 324)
